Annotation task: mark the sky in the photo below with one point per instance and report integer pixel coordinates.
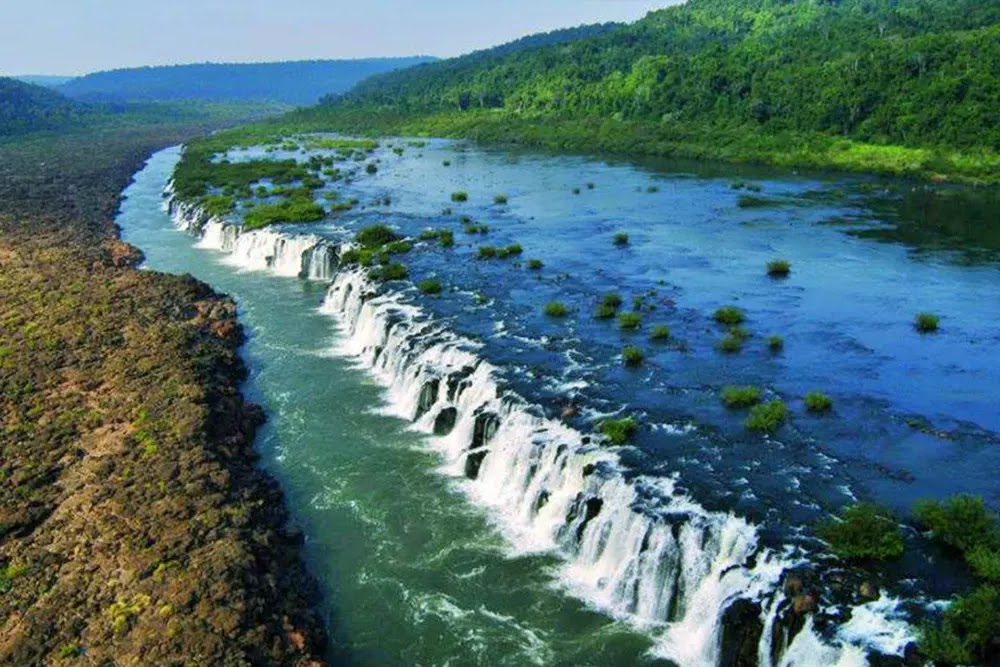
(69, 37)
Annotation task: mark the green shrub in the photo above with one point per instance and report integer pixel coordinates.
(633, 356)
(817, 401)
(741, 397)
(621, 239)
(389, 272)
(375, 236)
(460, 197)
(500, 200)
(865, 532)
(985, 563)
(372, 168)
(487, 252)
(430, 234)
(927, 323)
(446, 211)
(653, 188)
(576, 191)
(776, 343)
(446, 163)
(630, 321)
(447, 239)
(535, 264)
(962, 522)
(430, 286)
(968, 631)
(730, 344)
(605, 312)
(591, 186)
(219, 205)
(613, 300)
(556, 309)
(730, 316)
(513, 250)
(291, 210)
(660, 332)
(619, 431)
(768, 417)
(779, 268)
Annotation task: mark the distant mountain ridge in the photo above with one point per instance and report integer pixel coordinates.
(294, 82)
(25, 107)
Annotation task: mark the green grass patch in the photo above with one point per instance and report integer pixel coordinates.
(621, 239)
(731, 344)
(865, 532)
(729, 316)
(633, 356)
(630, 321)
(459, 197)
(290, 210)
(487, 252)
(555, 309)
(741, 397)
(500, 200)
(389, 272)
(618, 431)
(779, 268)
(661, 332)
(817, 401)
(767, 417)
(927, 323)
(429, 286)
(775, 343)
(535, 264)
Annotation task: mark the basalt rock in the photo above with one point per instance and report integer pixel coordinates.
(741, 633)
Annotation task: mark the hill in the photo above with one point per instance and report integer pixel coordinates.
(44, 80)
(906, 86)
(25, 107)
(297, 83)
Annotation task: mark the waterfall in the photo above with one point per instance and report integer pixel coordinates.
(290, 255)
(638, 549)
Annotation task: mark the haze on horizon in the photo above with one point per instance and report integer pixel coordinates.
(73, 37)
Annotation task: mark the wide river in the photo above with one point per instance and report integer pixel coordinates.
(424, 567)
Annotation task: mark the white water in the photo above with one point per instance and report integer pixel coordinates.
(639, 550)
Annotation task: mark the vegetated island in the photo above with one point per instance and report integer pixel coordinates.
(134, 525)
(894, 87)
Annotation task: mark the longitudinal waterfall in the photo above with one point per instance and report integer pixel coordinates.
(637, 548)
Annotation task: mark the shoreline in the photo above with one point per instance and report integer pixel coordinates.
(133, 495)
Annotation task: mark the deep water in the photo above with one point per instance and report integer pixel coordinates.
(418, 571)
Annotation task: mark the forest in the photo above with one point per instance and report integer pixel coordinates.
(912, 75)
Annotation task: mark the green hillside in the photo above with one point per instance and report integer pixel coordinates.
(903, 86)
(27, 108)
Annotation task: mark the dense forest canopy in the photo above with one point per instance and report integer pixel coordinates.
(297, 83)
(27, 108)
(908, 72)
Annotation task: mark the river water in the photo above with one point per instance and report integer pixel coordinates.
(550, 550)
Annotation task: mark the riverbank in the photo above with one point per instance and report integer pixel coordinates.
(135, 526)
(647, 139)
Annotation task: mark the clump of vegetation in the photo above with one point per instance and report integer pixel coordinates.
(447, 239)
(472, 229)
(768, 417)
(927, 323)
(962, 523)
(459, 197)
(389, 272)
(500, 200)
(653, 188)
(371, 168)
(375, 236)
(775, 343)
(535, 264)
(621, 239)
(576, 191)
(219, 205)
(605, 312)
(817, 401)
(619, 431)
(967, 633)
(487, 252)
(633, 356)
(731, 344)
(294, 209)
(513, 250)
(660, 332)
(779, 268)
(446, 163)
(555, 309)
(429, 286)
(741, 397)
(630, 321)
(865, 532)
(591, 186)
(729, 316)
(612, 300)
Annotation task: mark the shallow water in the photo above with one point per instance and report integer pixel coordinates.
(415, 573)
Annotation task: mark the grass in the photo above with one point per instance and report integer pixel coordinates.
(605, 312)
(630, 321)
(459, 197)
(927, 323)
(487, 252)
(653, 188)
(535, 264)
(963, 523)
(576, 191)
(817, 401)
(660, 332)
(612, 300)
(768, 417)
(291, 210)
(555, 309)
(500, 200)
(430, 286)
(731, 344)
(730, 316)
(621, 239)
(591, 186)
(618, 431)
(779, 268)
(447, 239)
(446, 163)
(865, 532)
(633, 356)
(375, 236)
(775, 343)
(389, 272)
(513, 250)
(371, 168)
(741, 397)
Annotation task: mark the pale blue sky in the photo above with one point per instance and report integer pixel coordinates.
(78, 36)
